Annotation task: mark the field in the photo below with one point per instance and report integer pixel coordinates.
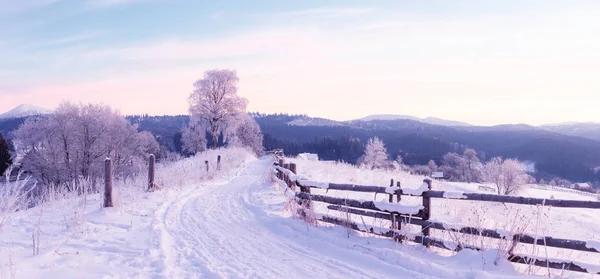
(237, 223)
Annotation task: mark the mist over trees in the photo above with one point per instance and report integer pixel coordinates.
(5, 158)
(72, 143)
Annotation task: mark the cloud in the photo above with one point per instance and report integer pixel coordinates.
(329, 12)
(384, 62)
(93, 4)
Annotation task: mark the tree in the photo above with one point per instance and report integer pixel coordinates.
(5, 158)
(248, 134)
(193, 137)
(471, 166)
(432, 166)
(506, 174)
(73, 142)
(375, 155)
(215, 100)
(453, 166)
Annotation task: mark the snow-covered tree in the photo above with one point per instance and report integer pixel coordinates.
(215, 100)
(5, 158)
(73, 141)
(453, 166)
(471, 167)
(193, 137)
(506, 174)
(375, 154)
(433, 167)
(248, 134)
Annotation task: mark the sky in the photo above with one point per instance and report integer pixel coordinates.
(481, 62)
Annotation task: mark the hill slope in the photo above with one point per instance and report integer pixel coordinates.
(24, 111)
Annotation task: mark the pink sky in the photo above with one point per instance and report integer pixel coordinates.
(342, 63)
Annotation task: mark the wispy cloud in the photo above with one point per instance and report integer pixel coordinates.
(329, 12)
(95, 4)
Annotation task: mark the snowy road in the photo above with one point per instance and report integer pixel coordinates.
(227, 231)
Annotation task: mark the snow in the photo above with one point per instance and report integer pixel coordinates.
(23, 111)
(392, 189)
(507, 219)
(312, 183)
(593, 244)
(402, 209)
(504, 233)
(234, 224)
(416, 192)
(454, 195)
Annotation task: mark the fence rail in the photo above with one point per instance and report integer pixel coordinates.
(419, 215)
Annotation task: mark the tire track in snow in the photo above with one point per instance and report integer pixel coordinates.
(219, 231)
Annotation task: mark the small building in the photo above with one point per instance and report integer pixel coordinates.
(437, 175)
(308, 156)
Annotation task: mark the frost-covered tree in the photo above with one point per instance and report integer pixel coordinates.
(215, 100)
(506, 174)
(5, 158)
(453, 166)
(433, 167)
(375, 154)
(471, 167)
(73, 142)
(193, 137)
(248, 134)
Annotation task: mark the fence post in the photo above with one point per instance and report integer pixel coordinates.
(151, 164)
(108, 201)
(293, 169)
(280, 173)
(206, 162)
(218, 162)
(399, 224)
(427, 213)
(393, 225)
(285, 177)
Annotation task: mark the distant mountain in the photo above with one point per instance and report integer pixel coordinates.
(584, 130)
(554, 154)
(24, 111)
(428, 120)
(310, 121)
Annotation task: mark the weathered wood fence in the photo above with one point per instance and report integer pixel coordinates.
(400, 215)
(152, 186)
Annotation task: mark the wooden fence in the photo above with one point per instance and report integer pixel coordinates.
(400, 215)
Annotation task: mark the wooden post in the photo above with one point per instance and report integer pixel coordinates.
(279, 173)
(151, 163)
(393, 225)
(391, 199)
(399, 223)
(108, 201)
(206, 162)
(293, 183)
(218, 162)
(427, 213)
(285, 177)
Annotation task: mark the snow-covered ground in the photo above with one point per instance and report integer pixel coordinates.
(227, 224)
(568, 223)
